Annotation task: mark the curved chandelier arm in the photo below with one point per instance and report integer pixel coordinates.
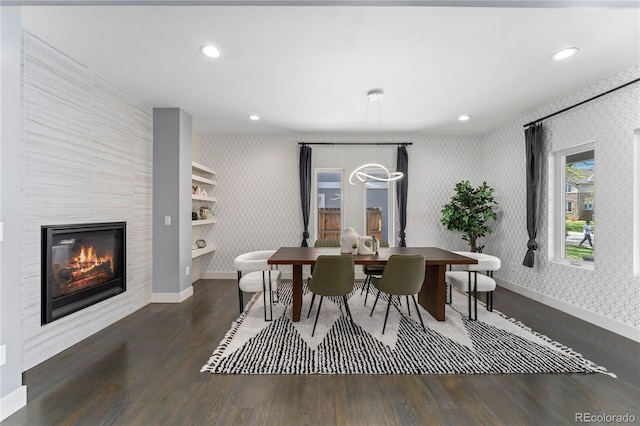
(392, 176)
(363, 177)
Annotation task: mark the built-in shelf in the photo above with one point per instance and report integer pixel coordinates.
(203, 178)
(203, 222)
(202, 198)
(202, 168)
(200, 252)
(196, 178)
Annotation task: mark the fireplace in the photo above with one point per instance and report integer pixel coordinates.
(81, 266)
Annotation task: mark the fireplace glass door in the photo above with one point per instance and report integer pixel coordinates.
(82, 265)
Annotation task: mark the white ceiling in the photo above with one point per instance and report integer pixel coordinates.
(308, 68)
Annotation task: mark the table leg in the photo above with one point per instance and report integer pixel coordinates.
(433, 293)
(297, 293)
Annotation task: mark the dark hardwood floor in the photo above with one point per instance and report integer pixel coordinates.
(145, 370)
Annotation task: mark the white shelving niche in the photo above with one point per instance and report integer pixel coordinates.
(202, 177)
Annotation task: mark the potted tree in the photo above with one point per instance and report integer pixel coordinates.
(469, 211)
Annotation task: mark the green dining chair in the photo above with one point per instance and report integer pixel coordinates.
(403, 276)
(372, 270)
(325, 242)
(333, 276)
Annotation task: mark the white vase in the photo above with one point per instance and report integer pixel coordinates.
(348, 238)
(365, 245)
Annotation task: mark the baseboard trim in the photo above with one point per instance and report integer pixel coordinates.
(596, 319)
(219, 275)
(11, 403)
(172, 297)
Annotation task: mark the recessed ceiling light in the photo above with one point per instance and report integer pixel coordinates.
(464, 117)
(210, 51)
(254, 117)
(564, 53)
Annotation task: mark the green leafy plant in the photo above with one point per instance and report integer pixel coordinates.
(469, 211)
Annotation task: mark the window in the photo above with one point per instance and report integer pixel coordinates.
(379, 208)
(573, 230)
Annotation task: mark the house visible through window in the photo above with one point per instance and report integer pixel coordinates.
(575, 171)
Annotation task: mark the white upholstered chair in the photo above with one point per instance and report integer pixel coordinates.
(470, 281)
(255, 274)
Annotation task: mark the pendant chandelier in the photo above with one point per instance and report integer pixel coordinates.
(374, 95)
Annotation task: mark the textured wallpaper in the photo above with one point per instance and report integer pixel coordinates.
(87, 157)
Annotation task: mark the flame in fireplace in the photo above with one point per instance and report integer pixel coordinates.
(87, 260)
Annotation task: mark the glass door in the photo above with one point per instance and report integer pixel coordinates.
(329, 203)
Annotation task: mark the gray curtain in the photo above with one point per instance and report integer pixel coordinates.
(305, 189)
(402, 165)
(533, 139)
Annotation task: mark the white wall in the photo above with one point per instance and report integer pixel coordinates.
(87, 157)
(607, 296)
(258, 187)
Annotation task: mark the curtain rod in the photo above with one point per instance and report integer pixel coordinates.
(580, 103)
(356, 143)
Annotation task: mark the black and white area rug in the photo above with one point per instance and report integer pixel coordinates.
(492, 345)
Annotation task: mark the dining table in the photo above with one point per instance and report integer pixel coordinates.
(432, 295)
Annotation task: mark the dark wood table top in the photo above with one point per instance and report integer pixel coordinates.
(308, 255)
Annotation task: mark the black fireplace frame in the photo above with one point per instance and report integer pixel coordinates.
(51, 309)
